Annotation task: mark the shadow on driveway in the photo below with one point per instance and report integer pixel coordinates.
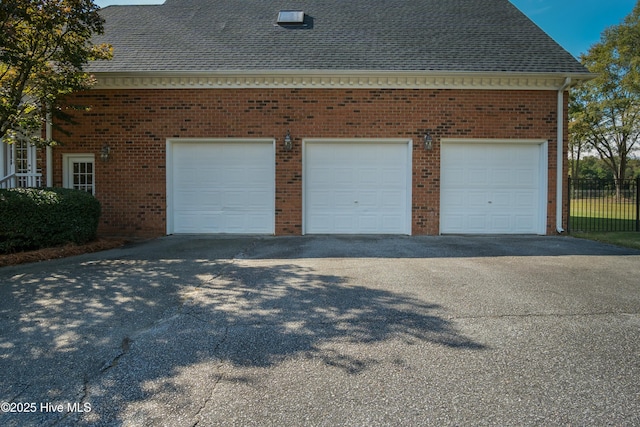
(99, 329)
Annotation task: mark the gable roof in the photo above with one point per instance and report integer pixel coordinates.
(423, 36)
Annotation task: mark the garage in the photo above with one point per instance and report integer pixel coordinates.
(493, 187)
(221, 186)
(357, 186)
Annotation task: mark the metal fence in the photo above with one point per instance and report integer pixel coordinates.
(604, 205)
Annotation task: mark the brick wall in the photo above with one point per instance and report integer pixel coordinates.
(136, 123)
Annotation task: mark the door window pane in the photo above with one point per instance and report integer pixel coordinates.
(82, 176)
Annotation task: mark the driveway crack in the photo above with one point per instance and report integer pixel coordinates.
(124, 349)
(83, 399)
(24, 388)
(215, 383)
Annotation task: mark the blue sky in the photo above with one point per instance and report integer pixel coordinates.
(575, 24)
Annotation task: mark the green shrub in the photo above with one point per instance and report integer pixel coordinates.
(33, 218)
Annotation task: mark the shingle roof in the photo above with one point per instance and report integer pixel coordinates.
(373, 35)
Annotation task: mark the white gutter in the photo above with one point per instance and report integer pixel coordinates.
(560, 159)
(49, 151)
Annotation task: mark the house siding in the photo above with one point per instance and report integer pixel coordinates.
(137, 123)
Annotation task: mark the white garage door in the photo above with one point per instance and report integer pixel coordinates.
(357, 187)
(493, 188)
(221, 186)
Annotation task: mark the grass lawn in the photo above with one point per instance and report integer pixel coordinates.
(629, 239)
(594, 215)
(605, 220)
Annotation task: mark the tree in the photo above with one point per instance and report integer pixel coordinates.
(577, 144)
(592, 167)
(605, 112)
(44, 45)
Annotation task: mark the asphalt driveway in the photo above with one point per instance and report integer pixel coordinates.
(187, 331)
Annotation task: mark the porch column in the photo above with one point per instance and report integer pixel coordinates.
(49, 151)
(3, 149)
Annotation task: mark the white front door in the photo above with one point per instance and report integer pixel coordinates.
(493, 187)
(20, 161)
(221, 186)
(357, 186)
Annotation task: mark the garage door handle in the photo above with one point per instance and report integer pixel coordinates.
(490, 202)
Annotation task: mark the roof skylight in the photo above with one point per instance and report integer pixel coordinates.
(291, 17)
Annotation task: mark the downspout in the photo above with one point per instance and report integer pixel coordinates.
(49, 151)
(560, 159)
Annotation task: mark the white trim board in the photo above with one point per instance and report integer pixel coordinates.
(336, 79)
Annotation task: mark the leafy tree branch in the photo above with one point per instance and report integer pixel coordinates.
(44, 47)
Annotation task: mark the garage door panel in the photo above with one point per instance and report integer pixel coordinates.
(192, 222)
(368, 223)
(187, 219)
(505, 156)
(526, 200)
(523, 222)
(342, 199)
(368, 181)
(389, 221)
(319, 199)
(477, 223)
(368, 199)
(239, 178)
(257, 199)
(323, 222)
(527, 178)
(187, 198)
(454, 198)
(323, 176)
(222, 187)
(455, 177)
(491, 188)
(477, 177)
(390, 199)
(367, 176)
(341, 176)
(220, 222)
(234, 200)
(476, 199)
(343, 224)
(456, 223)
(234, 224)
(501, 200)
(239, 200)
(500, 223)
(501, 177)
(393, 178)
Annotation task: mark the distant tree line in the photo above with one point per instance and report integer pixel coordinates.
(593, 167)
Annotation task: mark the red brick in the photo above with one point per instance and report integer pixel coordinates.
(136, 124)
